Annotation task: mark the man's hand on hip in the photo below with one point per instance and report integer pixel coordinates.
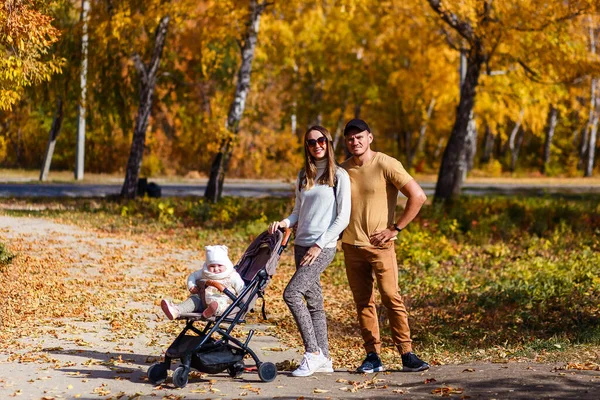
(380, 238)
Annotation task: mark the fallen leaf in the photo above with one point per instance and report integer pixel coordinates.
(273, 348)
(588, 366)
(447, 391)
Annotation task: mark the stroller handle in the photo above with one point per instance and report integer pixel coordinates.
(287, 232)
(215, 284)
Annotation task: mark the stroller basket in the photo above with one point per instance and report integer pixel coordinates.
(217, 359)
(210, 354)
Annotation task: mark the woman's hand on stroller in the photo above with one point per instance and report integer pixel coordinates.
(194, 290)
(311, 255)
(273, 226)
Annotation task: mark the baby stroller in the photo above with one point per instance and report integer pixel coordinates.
(212, 355)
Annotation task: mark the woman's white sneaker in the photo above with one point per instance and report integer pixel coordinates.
(310, 364)
(327, 367)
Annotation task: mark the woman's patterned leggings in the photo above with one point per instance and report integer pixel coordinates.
(306, 285)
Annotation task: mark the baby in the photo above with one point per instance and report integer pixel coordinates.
(218, 267)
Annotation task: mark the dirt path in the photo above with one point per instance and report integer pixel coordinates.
(86, 325)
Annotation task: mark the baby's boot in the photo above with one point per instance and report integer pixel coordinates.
(170, 309)
(211, 309)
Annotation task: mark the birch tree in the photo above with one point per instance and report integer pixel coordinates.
(551, 128)
(220, 165)
(148, 73)
(592, 126)
(515, 141)
(80, 153)
(54, 131)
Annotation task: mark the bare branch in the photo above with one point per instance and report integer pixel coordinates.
(449, 39)
(535, 76)
(548, 23)
(528, 70)
(463, 28)
(141, 68)
(161, 33)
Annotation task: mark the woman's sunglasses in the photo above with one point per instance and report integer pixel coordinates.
(313, 142)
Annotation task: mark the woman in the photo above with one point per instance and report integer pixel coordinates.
(321, 212)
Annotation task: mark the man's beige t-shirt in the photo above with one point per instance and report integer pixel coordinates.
(375, 186)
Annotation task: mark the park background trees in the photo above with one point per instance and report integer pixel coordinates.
(394, 63)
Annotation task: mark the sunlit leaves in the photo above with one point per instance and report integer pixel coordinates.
(26, 35)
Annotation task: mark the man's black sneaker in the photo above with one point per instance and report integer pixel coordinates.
(412, 363)
(371, 364)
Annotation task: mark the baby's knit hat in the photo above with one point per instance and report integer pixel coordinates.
(218, 255)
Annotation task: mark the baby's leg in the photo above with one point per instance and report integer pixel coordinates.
(211, 309)
(190, 305)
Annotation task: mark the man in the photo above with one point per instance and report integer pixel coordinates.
(368, 242)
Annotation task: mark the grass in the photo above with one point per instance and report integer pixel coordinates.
(486, 278)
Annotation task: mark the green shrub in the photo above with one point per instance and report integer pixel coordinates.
(6, 256)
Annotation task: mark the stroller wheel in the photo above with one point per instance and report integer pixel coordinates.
(180, 377)
(236, 370)
(267, 371)
(157, 373)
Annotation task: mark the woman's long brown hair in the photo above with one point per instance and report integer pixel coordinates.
(310, 167)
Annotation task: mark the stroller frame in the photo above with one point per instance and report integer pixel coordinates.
(206, 354)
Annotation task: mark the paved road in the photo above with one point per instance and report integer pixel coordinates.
(267, 188)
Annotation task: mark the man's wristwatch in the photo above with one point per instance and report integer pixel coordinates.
(396, 228)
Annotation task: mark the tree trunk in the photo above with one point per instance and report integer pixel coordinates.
(80, 150)
(515, 152)
(589, 166)
(54, 131)
(147, 83)
(594, 112)
(552, 120)
(294, 118)
(514, 142)
(470, 145)
(357, 110)
(467, 158)
(438, 148)
(339, 128)
(488, 146)
(450, 175)
(406, 137)
(424, 124)
(411, 153)
(220, 165)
